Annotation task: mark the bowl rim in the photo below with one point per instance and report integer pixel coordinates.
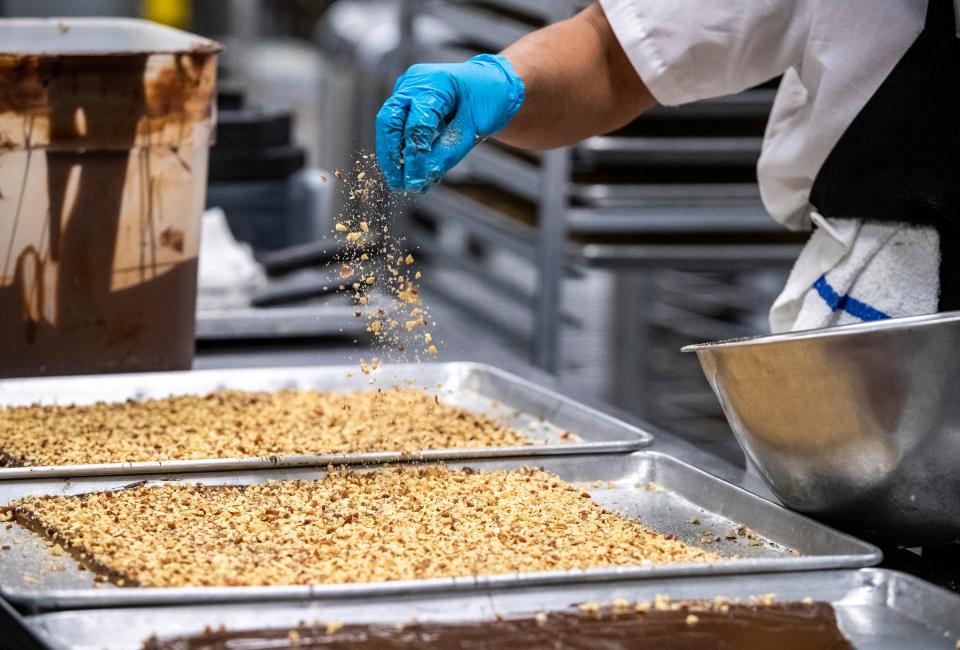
(852, 329)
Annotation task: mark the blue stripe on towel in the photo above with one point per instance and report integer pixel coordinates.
(852, 306)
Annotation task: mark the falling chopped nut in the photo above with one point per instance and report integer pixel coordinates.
(354, 236)
(364, 226)
(340, 227)
(408, 260)
(432, 349)
(346, 271)
(369, 279)
(417, 275)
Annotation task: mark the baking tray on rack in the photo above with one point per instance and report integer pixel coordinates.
(874, 608)
(666, 494)
(536, 412)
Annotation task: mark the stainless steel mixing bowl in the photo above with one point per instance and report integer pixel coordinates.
(856, 425)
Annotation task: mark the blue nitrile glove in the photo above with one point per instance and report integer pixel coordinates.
(438, 112)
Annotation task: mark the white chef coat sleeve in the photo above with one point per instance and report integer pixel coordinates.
(686, 50)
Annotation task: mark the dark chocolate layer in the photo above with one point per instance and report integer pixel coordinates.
(789, 625)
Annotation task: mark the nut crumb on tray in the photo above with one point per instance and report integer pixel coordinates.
(232, 424)
(389, 524)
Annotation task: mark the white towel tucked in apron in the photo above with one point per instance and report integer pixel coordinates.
(852, 271)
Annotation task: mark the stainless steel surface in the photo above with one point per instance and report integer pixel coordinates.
(550, 258)
(857, 425)
(487, 29)
(275, 322)
(689, 219)
(670, 150)
(754, 103)
(31, 576)
(688, 256)
(536, 412)
(875, 609)
(488, 224)
(652, 195)
(492, 164)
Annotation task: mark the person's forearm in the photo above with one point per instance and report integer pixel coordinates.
(578, 83)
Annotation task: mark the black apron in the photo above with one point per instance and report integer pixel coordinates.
(899, 160)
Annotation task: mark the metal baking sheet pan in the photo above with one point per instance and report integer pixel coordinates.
(875, 609)
(661, 491)
(538, 413)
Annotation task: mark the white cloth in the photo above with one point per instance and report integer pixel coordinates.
(845, 272)
(228, 273)
(833, 55)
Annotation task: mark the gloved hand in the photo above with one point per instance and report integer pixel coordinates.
(438, 112)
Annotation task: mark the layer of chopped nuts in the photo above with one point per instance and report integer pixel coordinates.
(229, 424)
(390, 524)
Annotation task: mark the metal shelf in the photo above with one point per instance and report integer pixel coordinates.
(643, 195)
(477, 25)
(587, 211)
(538, 9)
(443, 203)
(749, 104)
(502, 286)
(276, 322)
(679, 220)
(669, 151)
(686, 256)
(489, 163)
(492, 164)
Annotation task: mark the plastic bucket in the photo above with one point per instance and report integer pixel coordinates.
(105, 127)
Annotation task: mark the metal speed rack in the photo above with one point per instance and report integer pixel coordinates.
(667, 203)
